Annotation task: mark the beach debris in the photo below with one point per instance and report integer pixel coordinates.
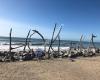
(27, 56)
(39, 54)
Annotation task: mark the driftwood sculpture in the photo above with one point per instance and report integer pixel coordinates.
(91, 50)
(92, 41)
(80, 44)
(35, 31)
(10, 40)
(53, 40)
(73, 51)
(59, 44)
(26, 41)
(10, 54)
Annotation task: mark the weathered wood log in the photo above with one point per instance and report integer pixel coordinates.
(80, 46)
(10, 39)
(59, 44)
(35, 31)
(92, 41)
(53, 40)
(39, 34)
(26, 41)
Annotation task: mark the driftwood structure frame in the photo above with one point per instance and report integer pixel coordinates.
(87, 52)
(92, 45)
(53, 40)
(42, 37)
(27, 40)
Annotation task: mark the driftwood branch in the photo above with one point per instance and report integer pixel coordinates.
(53, 40)
(10, 40)
(26, 41)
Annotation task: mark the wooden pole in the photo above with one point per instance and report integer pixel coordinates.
(10, 40)
(81, 46)
(26, 41)
(93, 40)
(59, 44)
(51, 41)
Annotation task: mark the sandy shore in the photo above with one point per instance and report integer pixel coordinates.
(57, 69)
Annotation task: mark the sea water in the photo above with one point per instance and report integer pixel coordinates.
(39, 42)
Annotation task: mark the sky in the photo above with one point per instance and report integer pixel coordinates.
(76, 17)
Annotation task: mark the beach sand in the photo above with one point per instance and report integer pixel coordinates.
(57, 69)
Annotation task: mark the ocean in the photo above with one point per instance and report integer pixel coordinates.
(34, 42)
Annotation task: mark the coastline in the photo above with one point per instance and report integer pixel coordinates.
(6, 48)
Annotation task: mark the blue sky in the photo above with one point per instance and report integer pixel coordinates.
(77, 17)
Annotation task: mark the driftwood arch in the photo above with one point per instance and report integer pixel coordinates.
(35, 31)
